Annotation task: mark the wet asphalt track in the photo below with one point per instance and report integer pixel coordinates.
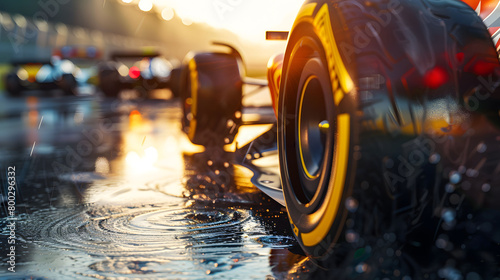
(112, 189)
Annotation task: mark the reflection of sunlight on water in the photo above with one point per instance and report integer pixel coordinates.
(138, 159)
(33, 118)
(150, 155)
(79, 115)
(163, 240)
(140, 164)
(32, 103)
(132, 158)
(188, 147)
(135, 221)
(247, 134)
(137, 123)
(172, 155)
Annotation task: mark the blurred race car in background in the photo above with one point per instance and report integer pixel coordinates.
(85, 58)
(378, 105)
(143, 71)
(55, 74)
(69, 67)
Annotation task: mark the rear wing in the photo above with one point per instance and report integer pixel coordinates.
(277, 35)
(133, 55)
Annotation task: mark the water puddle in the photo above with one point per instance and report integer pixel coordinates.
(190, 240)
(140, 203)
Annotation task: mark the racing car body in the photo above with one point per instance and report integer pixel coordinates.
(85, 59)
(378, 106)
(69, 68)
(143, 71)
(55, 74)
(488, 10)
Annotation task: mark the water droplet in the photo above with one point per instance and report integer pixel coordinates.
(472, 173)
(449, 188)
(486, 187)
(351, 204)
(448, 215)
(455, 177)
(442, 241)
(481, 148)
(361, 268)
(434, 158)
(351, 236)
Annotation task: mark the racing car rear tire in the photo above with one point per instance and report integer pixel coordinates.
(354, 74)
(175, 82)
(68, 84)
(211, 94)
(109, 81)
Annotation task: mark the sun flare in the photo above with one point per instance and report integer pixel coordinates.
(246, 18)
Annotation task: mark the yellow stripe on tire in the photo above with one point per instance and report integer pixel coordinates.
(301, 153)
(193, 76)
(314, 237)
(306, 11)
(323, 26)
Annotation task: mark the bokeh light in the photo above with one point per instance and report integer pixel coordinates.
(246, 18)
(145, 5)
(167, 13)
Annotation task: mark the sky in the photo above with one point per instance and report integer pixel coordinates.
(247, 18)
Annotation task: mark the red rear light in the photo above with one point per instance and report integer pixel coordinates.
(435, 78)
(483, 68)
(134, 72)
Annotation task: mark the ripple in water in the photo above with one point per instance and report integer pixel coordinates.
(276, 241)
(150, 240)
(133, 231)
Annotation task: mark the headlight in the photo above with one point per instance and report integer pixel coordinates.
(22, 74)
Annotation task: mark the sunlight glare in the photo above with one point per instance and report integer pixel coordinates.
(145, 5)
(247, 18)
